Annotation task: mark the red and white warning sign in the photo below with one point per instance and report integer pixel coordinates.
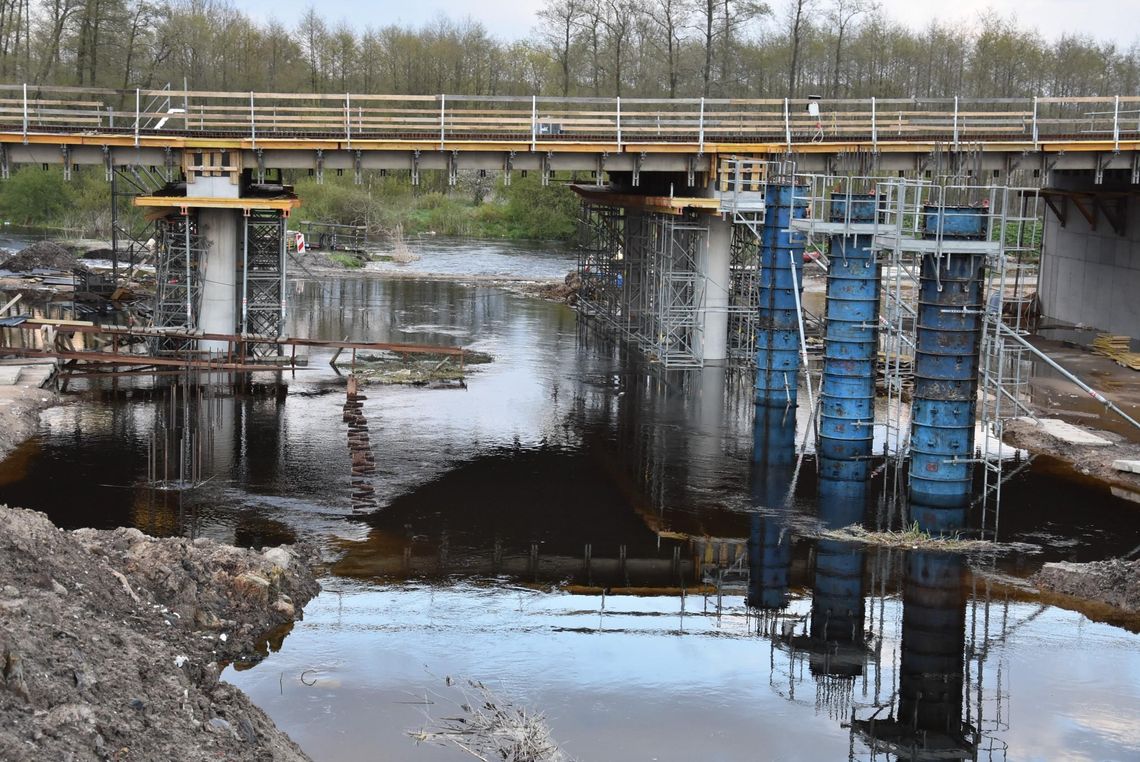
(299, 241)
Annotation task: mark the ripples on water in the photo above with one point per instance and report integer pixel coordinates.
(544, 530)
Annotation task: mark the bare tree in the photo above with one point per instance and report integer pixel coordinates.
(796, 25)
(559, 20)
(842, 14)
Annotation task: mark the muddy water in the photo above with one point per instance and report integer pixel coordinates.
(545, 529)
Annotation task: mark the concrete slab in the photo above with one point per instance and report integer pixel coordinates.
(9, 374)
(34, 375)
(1071, 434)
(1129, 466)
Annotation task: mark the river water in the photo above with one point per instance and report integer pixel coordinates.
(547, 529)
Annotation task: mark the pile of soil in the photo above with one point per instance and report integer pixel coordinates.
(111, 643)
(1115, 582)
(566, 291)
(42, 255)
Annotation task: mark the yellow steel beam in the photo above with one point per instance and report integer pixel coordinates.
(194, 202)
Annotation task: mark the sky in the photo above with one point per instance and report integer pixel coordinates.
(1116, 20)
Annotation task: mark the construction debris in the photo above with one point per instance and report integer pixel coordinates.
(42, 255)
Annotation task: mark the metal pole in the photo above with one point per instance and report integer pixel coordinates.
(800, 320)
(533, 123)
(619, 123)
(252, 121)
(138, 114)
(442, 118)
(701, 128)
(1116, 125)
(348, 118)
(284, 277)
(874, 126)
(25, 113)
(1035, 133)
(189, 293)
(787, 126)
(114, 219)
(245, 276)
(955, 121)
(1053, 364)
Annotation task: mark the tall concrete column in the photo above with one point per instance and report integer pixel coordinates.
(715, 281)
(219, 310)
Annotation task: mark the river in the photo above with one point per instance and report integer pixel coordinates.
(544, 531)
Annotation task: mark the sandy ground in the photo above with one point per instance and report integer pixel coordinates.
(112, 642)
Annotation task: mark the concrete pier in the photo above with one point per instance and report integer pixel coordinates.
(220, 273)
(713, 298)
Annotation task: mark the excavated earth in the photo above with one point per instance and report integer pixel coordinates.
(1115, 582)
(112, 643)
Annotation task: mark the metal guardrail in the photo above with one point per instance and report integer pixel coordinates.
(534, 120)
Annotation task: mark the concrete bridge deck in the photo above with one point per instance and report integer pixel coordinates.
(369, 131)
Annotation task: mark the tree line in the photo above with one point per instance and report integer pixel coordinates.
(630, 48)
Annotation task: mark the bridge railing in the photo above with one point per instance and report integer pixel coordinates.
(541, 120)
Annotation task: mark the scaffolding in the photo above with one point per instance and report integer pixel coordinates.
(263, 279)
(1010, 311)
(743, 294)
(642, 274)
(179, 254)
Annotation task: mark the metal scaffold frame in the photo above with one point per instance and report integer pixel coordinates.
(743, 293)
(641, 273)
(179, 254)
(263, 279)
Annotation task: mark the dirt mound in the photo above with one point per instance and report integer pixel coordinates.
(1115, 582)
(42, 255)
(566, 291)
(111, 643)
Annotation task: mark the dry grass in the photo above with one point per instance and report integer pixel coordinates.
(489, 728)
(911, 538)
(401, 253)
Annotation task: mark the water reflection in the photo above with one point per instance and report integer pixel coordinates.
(672, 510)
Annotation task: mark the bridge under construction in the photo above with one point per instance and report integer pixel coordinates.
(696, 219)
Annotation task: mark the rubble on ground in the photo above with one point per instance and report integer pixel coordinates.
(112, 642)
(42, 255)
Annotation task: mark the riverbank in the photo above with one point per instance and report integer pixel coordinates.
(21, 402)
(112, 642)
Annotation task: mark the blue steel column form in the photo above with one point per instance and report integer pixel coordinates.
(781, 275)
(847, 395)
(946, 370)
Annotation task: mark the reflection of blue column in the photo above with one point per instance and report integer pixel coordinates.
(933, 644)
(837, 600)
(769, 541)
(781, 275)
(946, 369)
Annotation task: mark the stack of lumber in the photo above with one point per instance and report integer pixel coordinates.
(1118, 348)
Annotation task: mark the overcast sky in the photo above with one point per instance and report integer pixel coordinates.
(1118, 20)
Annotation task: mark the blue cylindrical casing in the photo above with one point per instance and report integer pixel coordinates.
(945, 377)
(850, 349)
(961, 222)
(933, 639)
(769, 541)
(780, 278)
